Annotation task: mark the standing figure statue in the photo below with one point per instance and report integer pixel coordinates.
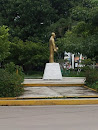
(52, 48)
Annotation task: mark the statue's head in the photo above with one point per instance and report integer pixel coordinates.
(53, 34)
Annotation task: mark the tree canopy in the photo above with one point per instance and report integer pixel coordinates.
(31, 19)
(31, 22)
(83, 35)
(4, 43)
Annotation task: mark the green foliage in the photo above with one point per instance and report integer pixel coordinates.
(91, 76)
(94, 16)
(90, 73)
(63, 7)
(84, 10)
(82, 38)
(95, 86)
(60, 27)
(72, 73)
(27, 18)
(30, 55)
(80, 13)
(60, 53)
(87, 62)
(12, 68)
(10, 84)
(31, 19)
(4, 43)
(71, 42)
(34, 75)
(82, 29)
(32, 22)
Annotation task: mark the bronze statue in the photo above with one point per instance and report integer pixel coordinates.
(52, 48)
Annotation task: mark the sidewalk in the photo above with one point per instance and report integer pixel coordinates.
(47, 92)
(54, 88)
(68, 91)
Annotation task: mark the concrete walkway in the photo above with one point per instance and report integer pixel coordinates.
(38, 92)
(52, 92)
(42, 90)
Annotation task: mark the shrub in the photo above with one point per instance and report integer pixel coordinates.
(12, 68)
(95, 86)
(10, 84)
(91, 75)
(87, 62)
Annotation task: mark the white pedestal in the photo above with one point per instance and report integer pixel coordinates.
(52, 72)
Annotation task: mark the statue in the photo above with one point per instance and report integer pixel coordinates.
(52, 48)
(52, 70)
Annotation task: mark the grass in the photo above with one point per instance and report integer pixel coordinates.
(73, 73)
(34, 75)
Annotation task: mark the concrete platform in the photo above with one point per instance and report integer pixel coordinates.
(53, 92)
(67, 87)
(47, 92)
(66, 81)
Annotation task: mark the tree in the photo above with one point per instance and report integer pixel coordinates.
(31, 19)
(84, 11)
(81, 40)
(83, 36)
(32, 22)
(60, 27)
(4, 43)
(31, 56)
(27, 19)
(63, 7)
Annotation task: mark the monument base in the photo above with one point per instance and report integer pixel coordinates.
(52, 72)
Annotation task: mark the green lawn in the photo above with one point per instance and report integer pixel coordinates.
(34, 75)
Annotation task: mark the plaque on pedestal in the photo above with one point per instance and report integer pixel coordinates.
(52, 72)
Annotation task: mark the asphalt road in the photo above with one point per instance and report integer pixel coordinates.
(72, 117)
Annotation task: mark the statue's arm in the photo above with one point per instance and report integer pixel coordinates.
(54, 47)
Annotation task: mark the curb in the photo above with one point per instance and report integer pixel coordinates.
(48, 102)
(90, 88)
(52, 85)
(52, 98)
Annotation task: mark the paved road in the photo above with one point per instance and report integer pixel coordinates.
(78, 117)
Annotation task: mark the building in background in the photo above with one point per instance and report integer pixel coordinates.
(72, 61)
(68, 60)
